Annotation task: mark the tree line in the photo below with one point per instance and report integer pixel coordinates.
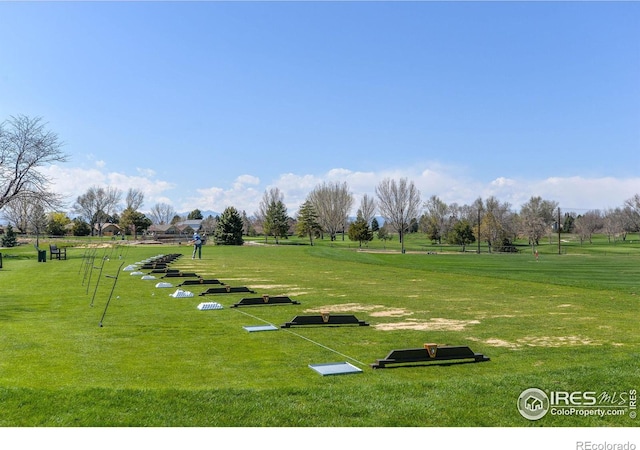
(325, 212)
(28, 204)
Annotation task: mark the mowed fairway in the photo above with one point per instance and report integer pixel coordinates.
(564, 323)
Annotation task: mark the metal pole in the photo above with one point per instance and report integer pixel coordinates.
(559, 248)
(89, 263)
(115, 280)
(97, 281)
(478, 231)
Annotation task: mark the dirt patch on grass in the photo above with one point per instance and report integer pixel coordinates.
(435, 324)
(391, 313)
(272, 286)
(373, 310)
(555, 341)
(94, 246)
(500, 343)
(539, 341)
(346, 307)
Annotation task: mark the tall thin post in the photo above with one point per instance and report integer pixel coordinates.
(559, 247)
(84, 260)
(115, 280)
(89, 263)
(478, 230)
(104, 258)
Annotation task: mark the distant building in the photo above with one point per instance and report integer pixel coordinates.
(108, 229)
(184, 229)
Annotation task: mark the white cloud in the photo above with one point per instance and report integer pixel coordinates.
(248, 179)
(214, 198)
(587, 193)
(451, 184)
(147, 173)
(71, 182)
(571, 193)
(454, 185)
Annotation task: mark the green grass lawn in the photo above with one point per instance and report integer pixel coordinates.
(564, 323)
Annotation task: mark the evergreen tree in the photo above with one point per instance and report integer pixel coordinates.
(9, 238)
(229, 228)
(413, 225)
(196, 214)
(276, 221)
(569, 222)
(375, 226)
(359, 230)
(308, 224)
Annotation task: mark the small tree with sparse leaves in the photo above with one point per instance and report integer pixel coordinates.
(359, 230)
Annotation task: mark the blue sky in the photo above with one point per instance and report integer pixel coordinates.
(208, 104)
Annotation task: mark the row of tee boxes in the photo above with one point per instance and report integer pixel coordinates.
(159, 267)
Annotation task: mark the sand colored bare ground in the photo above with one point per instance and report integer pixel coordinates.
(242, 279)
(272, 286)
(94, 246)
(286, 290)
(373, 310)
(399, 312)
(539, 341)
(555, 341)
(500, 343)
(435, 324)
(346, 307)
(495, 316)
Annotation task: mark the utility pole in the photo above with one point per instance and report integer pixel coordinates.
(478, 230)
(559, 248)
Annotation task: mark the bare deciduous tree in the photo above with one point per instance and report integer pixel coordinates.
(497, 223)
(16, 212)
(436, 219)
(632, 207)
(134, 199)
(209, 225)
(37, 219)
(398, 202)
(367, 208)
(536, 216)
(332, 202)
(588, 224)
(613, 223)
(25, 146)
(97, 204)
(162, 213)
